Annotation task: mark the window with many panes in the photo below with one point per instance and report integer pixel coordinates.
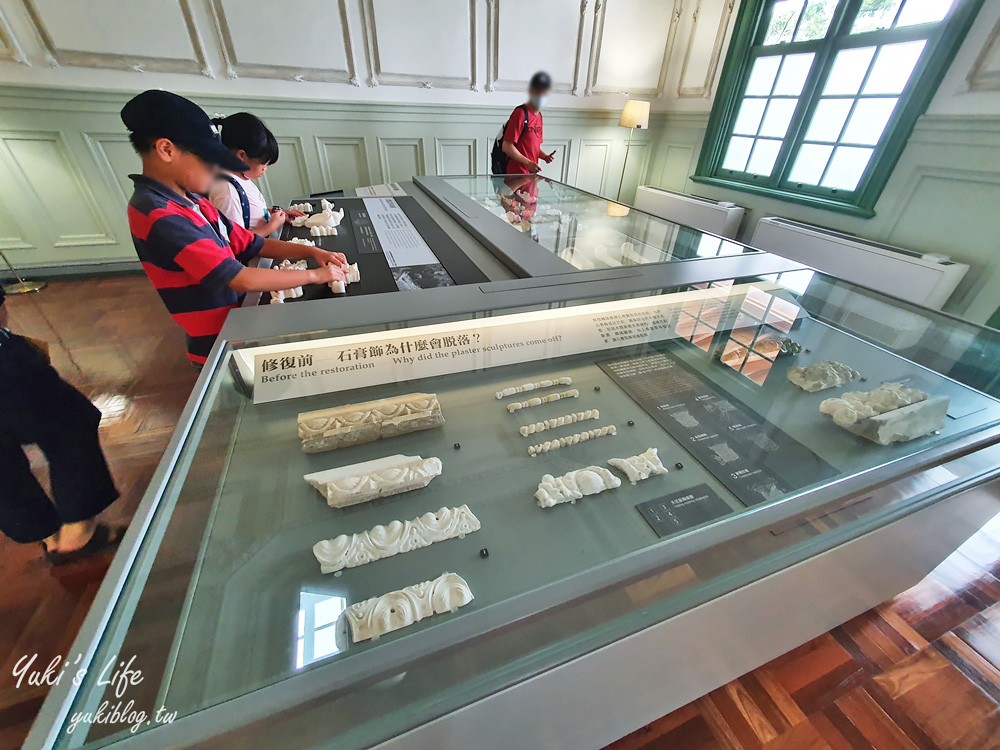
(818, 97)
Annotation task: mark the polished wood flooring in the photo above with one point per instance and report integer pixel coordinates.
(920, 671)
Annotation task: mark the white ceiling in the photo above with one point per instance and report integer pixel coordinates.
(468, 51)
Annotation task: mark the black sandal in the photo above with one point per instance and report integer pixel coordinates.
(104, 537)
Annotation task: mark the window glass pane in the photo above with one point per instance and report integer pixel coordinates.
(764, 154)
(779, 115)
(923, 11)
(875, 15)
(762, 76)
(810, 163)
(793, 74)
(748, 120)
(828, 120)
(781, 26)
(848, 71)
(815, 20)
(892, 67)
(868, 121)
(846, 167)
(737, 153)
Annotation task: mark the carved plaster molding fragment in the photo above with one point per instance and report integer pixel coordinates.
(294, 292)
(574, 485)
(352, 276)
(548, 424)
(368, 480)
(325, 218)
(353, 424)
(324, 204)
(892, 413)
(822, 375)
(306, 207)
(322, 231)
(514, 389)
(302, 241)
(299, 221)
(539, 400)
(640, 467)
(579, 437)
(350, 551)
(398, 609)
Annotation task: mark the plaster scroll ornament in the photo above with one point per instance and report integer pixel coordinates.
(338, 287)
(398, 609)
(325, 218)
(352, 276)
(539, 400)
(299, 221)
(305, 207)
(574, 485)
(892, 413)
(279, 297)
(579, 437)
(324, 205)
(322, 231)
(368, 480)
(514, 389)
(638, 468)
(350, 551)
(302, 241)
(548, 424)
(822, 375)
(353, 424)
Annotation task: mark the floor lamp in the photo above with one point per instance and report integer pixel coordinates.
(635, 114)
(21, 286)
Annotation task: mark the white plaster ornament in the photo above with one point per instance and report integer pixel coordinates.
(548, 424)
(368, 480)
(579, 437)
(640, 467)
(353, 424)
(822, 375)
(322, 231)
(350, 551)
(892, 413)
(398, 609)
(352, 276)
(304, 207)
(539, 400)
(302, 241)
(574, 485)
(278, 297)
(324, 204)
(514, 389)
(325, 218)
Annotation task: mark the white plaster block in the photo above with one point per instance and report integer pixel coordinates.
(398, 609)
(382, 477)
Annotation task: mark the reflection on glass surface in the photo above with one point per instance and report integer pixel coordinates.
(590, 232)
(317, 635)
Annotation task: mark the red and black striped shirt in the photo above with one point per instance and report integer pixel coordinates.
(190, 257)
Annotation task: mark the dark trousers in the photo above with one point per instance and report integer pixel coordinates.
(37, 406)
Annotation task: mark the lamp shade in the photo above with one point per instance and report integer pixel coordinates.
(635, 114)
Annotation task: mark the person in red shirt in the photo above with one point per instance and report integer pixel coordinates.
(522, 137)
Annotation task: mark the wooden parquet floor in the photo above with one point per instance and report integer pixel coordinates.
(920, 671)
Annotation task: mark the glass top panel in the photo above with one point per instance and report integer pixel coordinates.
(235, 601)
(585, 230)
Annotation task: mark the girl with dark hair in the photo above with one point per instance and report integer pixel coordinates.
(235, 194)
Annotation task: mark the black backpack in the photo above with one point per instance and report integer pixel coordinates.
(498, 159)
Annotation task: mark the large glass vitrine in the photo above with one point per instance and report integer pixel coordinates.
(242, 639)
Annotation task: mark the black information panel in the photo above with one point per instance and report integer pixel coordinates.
(357, 239)
(683, 510)
(749, 455)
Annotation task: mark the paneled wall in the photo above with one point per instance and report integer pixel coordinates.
(944, 194)
(65, 160)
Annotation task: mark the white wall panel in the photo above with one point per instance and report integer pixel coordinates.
(115, 159)
(525, 37)
(429, 44)
(119, 34)
(401, 158)
(320, 51)
(705, 25)
(457, 155)
(343, 162)
(51, 186)
(630, 47)
(289, 178)
(559, 168)
(592, 172)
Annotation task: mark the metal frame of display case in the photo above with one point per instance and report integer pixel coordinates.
(383, 312)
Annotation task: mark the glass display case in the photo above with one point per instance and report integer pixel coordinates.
(551, 227)
(709, 433)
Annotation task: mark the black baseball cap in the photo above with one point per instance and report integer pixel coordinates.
(540, 80)
(166, 115)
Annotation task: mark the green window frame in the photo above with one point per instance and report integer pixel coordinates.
(785, 115)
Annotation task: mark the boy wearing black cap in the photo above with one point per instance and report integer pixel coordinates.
(195, 257)
(522, 137)
(37, 406)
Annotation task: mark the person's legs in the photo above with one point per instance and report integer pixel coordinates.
(26, 513)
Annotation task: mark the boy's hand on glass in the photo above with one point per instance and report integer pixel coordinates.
(326, 274)
(324, 257)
